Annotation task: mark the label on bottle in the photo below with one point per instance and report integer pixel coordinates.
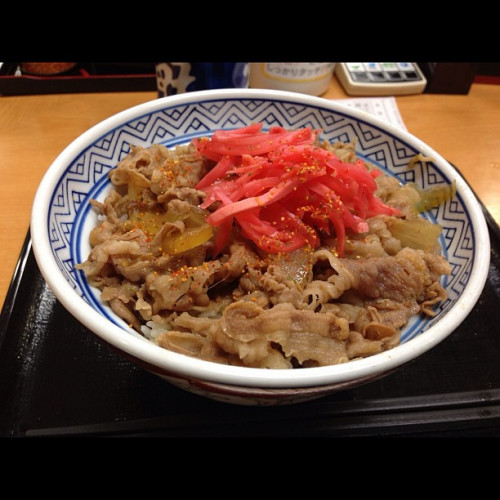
(297, 72)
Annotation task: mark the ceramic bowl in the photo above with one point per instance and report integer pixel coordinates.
(62, 218)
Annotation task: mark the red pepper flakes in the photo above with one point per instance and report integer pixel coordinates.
(275, 219)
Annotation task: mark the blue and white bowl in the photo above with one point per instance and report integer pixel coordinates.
(62, 219)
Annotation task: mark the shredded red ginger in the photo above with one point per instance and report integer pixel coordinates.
(283, 190)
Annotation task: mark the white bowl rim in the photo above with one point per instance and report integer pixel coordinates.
(192, 368)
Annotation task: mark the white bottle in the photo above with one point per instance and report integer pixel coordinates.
(307, 78)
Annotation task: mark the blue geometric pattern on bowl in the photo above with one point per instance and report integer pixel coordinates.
(86, 177)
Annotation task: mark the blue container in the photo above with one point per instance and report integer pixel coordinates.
(177, 78)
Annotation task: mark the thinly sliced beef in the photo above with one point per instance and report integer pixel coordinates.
(244, 307)
(402, 278)
(250, 332)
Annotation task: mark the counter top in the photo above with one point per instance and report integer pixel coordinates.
(34, 129)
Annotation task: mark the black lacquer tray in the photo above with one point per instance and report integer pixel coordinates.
(57, 379)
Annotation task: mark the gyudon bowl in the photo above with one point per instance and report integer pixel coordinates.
(262, 275)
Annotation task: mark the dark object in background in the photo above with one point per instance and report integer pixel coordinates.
(177, 78)
(489, 69)
(18, 78)
(448, 78)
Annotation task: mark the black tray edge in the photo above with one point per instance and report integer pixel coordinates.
(404, 416)
(11, 296)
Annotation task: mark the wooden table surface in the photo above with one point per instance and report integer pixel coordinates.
(34, 129)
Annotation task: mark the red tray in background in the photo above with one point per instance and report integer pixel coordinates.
(83, 77)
